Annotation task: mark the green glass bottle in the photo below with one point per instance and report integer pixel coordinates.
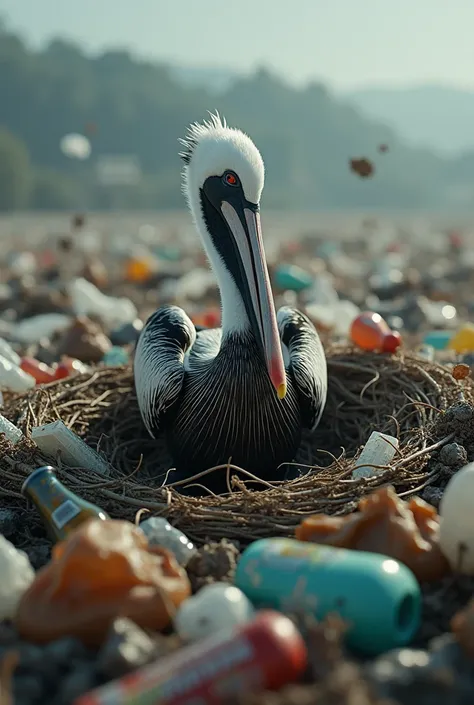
(62, 511)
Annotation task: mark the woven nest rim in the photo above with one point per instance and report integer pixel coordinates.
(402, 395)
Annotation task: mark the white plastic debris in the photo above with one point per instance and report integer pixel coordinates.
(380, 449)
(14, 378)
(346, 311)
(17, 575)
(159, 532)
(75, 146)
(54, 437)
(456, 535)
(7, 352)
(338, 315)
(87, 300)
(322, 292)
(193, 284)
(21, 263)
(215, 607)
(90, 242)
(31, 330)
(10, 430)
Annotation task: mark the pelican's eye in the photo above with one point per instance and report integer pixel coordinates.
(231, 179)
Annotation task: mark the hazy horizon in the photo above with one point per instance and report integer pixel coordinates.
(348, 45)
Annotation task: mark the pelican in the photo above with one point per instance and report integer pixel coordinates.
(247, 390)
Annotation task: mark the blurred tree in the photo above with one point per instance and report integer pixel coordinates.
(15, 172)
(306, 135)
(51, 190)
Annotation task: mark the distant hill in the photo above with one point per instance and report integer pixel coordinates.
(139, 109)
(215, 80)
(437, 117)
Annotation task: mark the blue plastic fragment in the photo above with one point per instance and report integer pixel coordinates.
(116, 357)
(438, 339)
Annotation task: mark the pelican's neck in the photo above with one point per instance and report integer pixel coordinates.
(234, 315)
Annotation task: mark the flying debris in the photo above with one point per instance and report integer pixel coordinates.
(363, 167)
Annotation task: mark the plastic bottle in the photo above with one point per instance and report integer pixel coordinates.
(14, 378)
(378, 597)
(159, 532)
(371, 332)
(61, 510)
(7, 352)
(264, 654)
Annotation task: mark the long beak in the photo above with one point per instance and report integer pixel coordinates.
(244, 225)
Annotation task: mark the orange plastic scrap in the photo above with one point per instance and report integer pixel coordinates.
(137, 270)
(104, 570)
(406, 531)
(462, 626)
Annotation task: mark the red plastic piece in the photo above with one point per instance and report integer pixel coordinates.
(212, 318)
(41, 372)
(391, 342)
(67, 367)
(371, 332)
(265, 654)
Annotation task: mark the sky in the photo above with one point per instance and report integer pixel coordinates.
(345, 43)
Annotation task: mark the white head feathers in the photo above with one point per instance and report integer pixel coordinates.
(211, 148)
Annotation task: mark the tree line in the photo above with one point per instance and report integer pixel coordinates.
(129, 106)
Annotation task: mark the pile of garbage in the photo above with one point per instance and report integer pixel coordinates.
(337, 608)
(348, 581)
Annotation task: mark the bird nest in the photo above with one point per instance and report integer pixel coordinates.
(402, 395)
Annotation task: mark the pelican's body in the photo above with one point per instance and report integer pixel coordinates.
(246, 391)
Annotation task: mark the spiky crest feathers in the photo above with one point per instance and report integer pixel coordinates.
(197, 130)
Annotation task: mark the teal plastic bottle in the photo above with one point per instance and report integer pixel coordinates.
(378, 597)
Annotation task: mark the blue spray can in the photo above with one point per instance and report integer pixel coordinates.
(378, 597)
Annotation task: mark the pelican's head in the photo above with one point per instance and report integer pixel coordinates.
(223, 180)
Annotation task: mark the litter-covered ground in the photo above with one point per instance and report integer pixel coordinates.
(72, 306)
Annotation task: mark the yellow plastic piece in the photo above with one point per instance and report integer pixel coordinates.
(137, 270)
(463, 340)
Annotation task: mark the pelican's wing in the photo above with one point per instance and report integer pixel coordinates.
(158, 366)
(204, 350)
(307, 363)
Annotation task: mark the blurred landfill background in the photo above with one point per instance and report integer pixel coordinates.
(359, 210)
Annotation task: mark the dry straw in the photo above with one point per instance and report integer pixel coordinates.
(401, 395)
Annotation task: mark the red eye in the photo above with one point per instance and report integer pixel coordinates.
(231, 179)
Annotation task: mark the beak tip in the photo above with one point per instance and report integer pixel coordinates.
(281, 390)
